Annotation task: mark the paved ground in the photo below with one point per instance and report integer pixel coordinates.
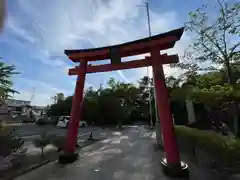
(83, 136)
(32, 131)
(127, 155)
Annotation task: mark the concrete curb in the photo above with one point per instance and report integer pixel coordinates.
(24, 171)
(35, 166)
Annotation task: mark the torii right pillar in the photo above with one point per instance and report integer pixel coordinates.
(171, 163)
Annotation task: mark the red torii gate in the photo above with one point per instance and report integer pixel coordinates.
(153, 45)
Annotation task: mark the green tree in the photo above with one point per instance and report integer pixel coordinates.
(172, 82)
(63, 107)
(210, 90)
(208, 87)
(6, 72)
(216, 45)
(124, 100)
(59, 97)
(90, 111)
(144, 97)
(217, 40)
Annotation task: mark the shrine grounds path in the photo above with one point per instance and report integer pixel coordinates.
(130, 154)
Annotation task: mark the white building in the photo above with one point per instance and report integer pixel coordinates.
(17, 106)
(22, 106)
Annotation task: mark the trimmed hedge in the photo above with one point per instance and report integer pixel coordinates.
(224, 150)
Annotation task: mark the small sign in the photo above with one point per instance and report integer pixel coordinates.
(115, 55)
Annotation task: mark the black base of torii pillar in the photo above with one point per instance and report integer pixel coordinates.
(179, 171)
(67, 158)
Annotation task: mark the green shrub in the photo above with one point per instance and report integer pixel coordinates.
(9, 142)
(223, 149)
(43, 141)
(58, 142)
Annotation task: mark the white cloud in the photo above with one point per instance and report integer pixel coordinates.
(70, 25)
(42, 93)
(45, 57)
(13, 24)
(121, 74)
(60, 25)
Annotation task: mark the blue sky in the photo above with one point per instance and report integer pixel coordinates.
(36, 33)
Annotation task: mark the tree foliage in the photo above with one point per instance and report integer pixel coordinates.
(115, 104)
(210, 87)
(215, 48)
(59, 97)
(9, 142)
(216, 38)
(124, 103)
(6, 72)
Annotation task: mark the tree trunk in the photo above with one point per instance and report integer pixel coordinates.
(229, 72)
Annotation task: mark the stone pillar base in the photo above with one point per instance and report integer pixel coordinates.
(179, 171)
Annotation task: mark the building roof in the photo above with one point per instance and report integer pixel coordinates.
(17, 103)
(17, 100)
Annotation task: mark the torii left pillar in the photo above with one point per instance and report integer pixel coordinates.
(69, 153)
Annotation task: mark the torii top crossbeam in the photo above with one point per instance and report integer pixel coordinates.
(161, 42)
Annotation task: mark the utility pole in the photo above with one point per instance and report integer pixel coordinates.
(150, 106)
(32, 95)
(148, 16)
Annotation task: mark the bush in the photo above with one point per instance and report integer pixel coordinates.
(9, 142)
(225, 150)
(58, 142)
(43, 141)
